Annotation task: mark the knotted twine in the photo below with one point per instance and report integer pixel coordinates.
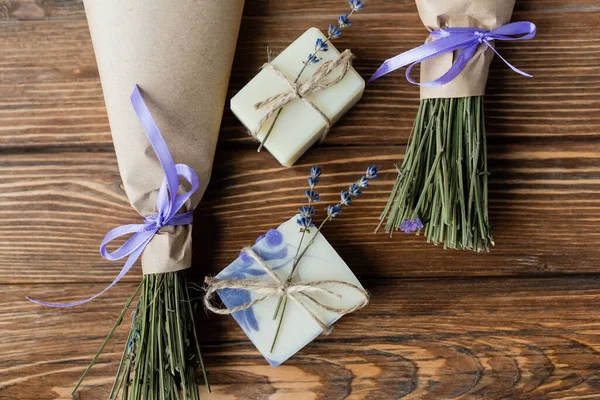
(279, 288)
(315, 83)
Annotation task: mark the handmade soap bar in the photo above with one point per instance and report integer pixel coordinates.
(298, 328)
(298, 126)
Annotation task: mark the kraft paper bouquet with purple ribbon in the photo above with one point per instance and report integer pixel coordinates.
(164, 68)
(442, 183)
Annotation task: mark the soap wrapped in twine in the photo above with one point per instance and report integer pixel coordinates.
(279, 288)
(315, 83)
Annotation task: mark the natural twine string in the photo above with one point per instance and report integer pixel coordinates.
(315, 83)
(278, 287)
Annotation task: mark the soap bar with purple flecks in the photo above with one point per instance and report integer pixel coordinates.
(278, 248)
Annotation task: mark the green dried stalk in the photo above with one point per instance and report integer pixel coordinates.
(443, 179)
(162, 351)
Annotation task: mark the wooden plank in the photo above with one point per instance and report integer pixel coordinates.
(26, 10)
(55, 99)
(544, 201)
(418, 339)
(72, 9)
(519, 325)
(308, 8)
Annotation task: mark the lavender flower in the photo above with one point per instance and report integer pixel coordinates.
(334, 211)
(305, 224)
(312, 59)
(306, 211)
(313, 178)
(321, 45)
(372, 172)
(315, 171)
(363, 182)
(356, 5)
(344, 21)
(354, 190)
(311, 195)
(346, 199)
(411, 226)
(334, 32)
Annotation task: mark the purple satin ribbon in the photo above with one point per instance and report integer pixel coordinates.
(451, 39)
(167, 205)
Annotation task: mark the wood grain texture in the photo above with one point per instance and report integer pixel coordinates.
(55, 99)
(546, 196)
(519, 323)
(498, 338)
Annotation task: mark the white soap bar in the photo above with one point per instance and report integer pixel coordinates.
(277, 249)
(298, 126)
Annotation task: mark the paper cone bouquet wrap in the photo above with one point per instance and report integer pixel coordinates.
(164, 68)
(442, 184)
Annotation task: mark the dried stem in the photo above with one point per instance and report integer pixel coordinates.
(289, 279)
(162, 352)
(443, 179)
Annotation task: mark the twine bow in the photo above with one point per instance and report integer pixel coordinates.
(315, 83)
(277, 288)
(168, 203)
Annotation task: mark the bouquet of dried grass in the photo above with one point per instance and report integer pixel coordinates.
(442, 183)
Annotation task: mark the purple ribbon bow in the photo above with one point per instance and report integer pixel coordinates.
(168, 203)
(452, 39)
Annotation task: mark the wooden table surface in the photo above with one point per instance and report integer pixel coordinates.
(522, 322)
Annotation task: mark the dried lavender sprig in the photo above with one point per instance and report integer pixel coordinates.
(107, 339)
(333, 32)
(306, 214)
(332, 212)
(335, 210)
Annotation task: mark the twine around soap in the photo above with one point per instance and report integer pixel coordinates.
(278, 287)
(315, 83)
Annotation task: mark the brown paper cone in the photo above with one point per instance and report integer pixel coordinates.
(437, 14)
(180, 53)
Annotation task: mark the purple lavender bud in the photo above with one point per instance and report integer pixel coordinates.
(411, 226)
(372, 172)
(345, 197)
(334, 211)
(354, 190)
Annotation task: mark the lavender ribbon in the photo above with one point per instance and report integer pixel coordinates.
(452, 39)
(168, 203)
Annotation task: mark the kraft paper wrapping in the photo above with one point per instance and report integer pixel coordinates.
(437, 14)
(180, 53)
